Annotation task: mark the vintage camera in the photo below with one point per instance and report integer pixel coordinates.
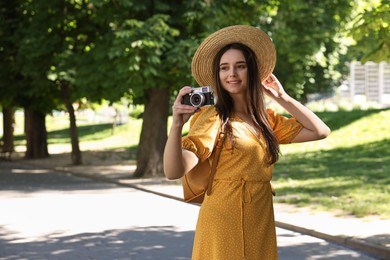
(199, 97)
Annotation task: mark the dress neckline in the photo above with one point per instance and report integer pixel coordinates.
(248, 125)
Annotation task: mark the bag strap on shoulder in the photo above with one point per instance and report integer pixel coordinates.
(218, 149)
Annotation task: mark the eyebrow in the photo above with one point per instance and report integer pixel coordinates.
(238, 62)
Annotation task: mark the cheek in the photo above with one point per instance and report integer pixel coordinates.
(244, 73)
(244, 76)
(222, 78)
(222, 74)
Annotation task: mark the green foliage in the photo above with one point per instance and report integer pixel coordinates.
(42, 50)
(136, 112)
(105, 49)
(11, 80)
(371, 31)
(307, 37)
(142, 46)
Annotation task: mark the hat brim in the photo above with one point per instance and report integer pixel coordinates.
(252, 37)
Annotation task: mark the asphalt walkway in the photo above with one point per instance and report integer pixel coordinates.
(55, 215)
(371, 236)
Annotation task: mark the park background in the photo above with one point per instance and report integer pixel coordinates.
(94, 81)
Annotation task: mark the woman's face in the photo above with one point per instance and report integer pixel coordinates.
(233, 72)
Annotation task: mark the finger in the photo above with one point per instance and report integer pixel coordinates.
(272, 78)
(266, 86)
(268, 79)
(184, 109)
(183, 91)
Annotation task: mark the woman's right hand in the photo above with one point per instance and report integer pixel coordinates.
(178, 161)
(181, 113)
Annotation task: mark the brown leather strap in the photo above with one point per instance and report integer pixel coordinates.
(218, 148)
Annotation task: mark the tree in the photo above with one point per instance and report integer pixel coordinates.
(16, 87)
(53, 36)
(142, 53)
(151, 51)
(35, 46)
(371, 32)
(307, 37)
(8, 25)
(192, 19)
(67, 50)
(8, 130)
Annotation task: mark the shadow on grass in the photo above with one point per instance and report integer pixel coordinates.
(85, 133)
(355, 175)
(339, 119)
(371, 160)
(133, 152)
(334, 120)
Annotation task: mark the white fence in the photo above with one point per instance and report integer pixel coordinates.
(369, 82)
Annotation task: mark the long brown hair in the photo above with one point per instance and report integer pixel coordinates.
(255, 99)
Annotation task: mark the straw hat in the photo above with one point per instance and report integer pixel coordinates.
(252, 37)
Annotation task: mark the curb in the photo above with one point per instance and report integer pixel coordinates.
(377, 251)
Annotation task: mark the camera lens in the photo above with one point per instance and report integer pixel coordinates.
(197, 99)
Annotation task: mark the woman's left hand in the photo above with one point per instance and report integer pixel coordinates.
(313, 127)
(273, 88)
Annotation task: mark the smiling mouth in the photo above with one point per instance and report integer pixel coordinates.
(234, 82)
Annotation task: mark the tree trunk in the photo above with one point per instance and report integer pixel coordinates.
(153, 134)
(76, 153)
(8, 132)
(36, 134)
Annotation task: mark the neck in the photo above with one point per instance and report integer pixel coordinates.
(240, 106)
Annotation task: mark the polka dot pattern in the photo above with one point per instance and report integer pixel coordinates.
(237, 220)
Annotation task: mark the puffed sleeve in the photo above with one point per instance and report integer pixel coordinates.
(285, 129)
(203, 132)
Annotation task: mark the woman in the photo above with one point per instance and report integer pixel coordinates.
(236, 221)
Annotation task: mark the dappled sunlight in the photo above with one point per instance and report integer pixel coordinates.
(56, 216)
(76, 218)
(137, 243)
(36, 216)
(317, 221)
(30, 171)
(288, 242)
(364, 128)
(111, 170)
(105, 160)
(334, 179)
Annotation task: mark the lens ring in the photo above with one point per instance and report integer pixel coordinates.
(197, 99)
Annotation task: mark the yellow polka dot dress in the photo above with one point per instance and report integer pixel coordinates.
(237, 220)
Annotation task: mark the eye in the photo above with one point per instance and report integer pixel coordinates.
(223, 68)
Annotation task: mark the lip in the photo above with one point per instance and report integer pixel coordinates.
(233, 82)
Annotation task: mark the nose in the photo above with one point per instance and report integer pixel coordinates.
(232, 72)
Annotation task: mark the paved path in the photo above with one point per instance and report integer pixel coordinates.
(48, 215)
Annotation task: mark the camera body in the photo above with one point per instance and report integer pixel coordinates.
(199, 97)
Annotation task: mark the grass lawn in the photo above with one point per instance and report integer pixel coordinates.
(349, 172)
